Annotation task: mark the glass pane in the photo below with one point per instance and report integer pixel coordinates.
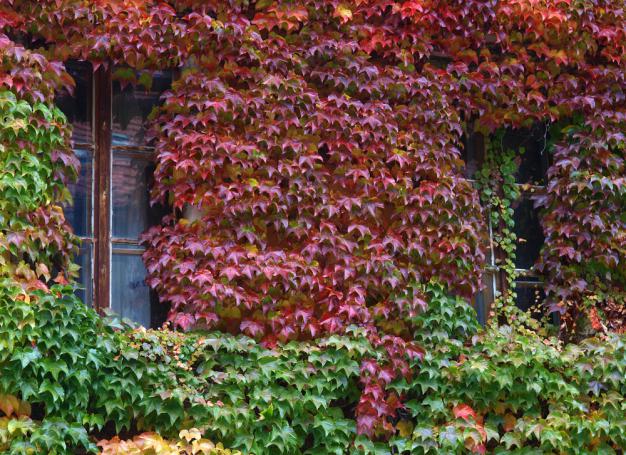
(529, 234)
(533, 162)
(130, 295)
(131, 108)
(78, 215)
(132, 214)
(530, 294)
(78, 108)
(85, 292)
(472, 154)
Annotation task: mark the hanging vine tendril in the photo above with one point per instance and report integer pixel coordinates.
(498, 192)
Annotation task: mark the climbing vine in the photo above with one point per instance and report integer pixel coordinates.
(320, 142)
(498, 192)
(583, 255)
(286, 72)
(36, 161)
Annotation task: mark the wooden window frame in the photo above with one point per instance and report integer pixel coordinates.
(105, 244)
(107, 156)
(101, 260)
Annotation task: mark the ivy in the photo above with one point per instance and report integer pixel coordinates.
(582, 254)
(264, 80)
(35, 164)
(499, 192)
(509, 390)
(496, 182)
(68, 378)
(190, 442)
(320, 143)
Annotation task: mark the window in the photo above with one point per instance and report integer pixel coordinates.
(111, 197)
(530, 145)
(531, 176)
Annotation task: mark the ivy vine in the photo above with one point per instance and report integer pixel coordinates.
(498, 193)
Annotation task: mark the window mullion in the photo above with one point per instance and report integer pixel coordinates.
(102, 193)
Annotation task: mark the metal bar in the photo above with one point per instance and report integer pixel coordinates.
(521, 272)
(134, 153)
(528, 284)
(144, 148)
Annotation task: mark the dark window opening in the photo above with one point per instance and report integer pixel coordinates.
(473, 154)
(78, 107)
(529, 233)
(530, 145)
(530, 294)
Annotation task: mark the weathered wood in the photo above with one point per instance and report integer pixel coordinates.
(102, 188)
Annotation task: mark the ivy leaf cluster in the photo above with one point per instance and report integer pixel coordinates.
(584, 254)
(35, 163)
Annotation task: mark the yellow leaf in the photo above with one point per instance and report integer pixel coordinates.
(24, 409)
(343, 13)
(203, 446)
(405, 428)
(251, 248)
(9, 404)
(500, 408)
(253, 183)
(190, 435)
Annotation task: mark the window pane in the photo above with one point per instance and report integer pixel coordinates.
(533, 163)
(85, 281)
(130, 295)
(131, 208)
(530, 294)
(529, 234)
(472, 154)
(79, 215)
(78, 108)
(131, 108)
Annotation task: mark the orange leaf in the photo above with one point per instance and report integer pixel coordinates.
(9, 404)
(463, 411)
(509, 422)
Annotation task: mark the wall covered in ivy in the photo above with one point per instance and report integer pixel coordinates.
(320, 142)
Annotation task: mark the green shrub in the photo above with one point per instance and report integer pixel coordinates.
(512, 391)
(69, 364)
(52, 436)
(501, 391)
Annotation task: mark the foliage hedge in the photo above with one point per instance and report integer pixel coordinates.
(500, 390)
